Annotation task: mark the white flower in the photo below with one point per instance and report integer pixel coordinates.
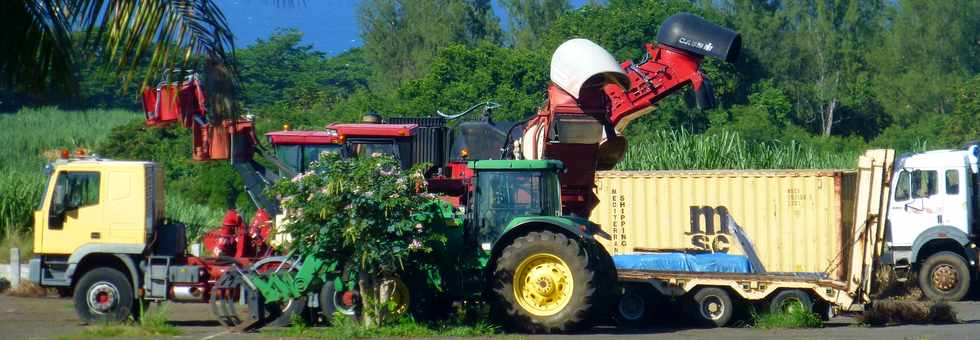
(418, 227)
(376, 154)
(415, 244)
(369, 194)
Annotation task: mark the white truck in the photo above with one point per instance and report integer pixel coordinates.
(931, 231)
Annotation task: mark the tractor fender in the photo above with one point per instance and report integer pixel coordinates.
(941, 232)
(578, 228)
(123, 252)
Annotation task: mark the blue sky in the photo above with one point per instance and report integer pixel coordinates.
(329, 25)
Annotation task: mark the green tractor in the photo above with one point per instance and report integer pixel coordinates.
(539, 271)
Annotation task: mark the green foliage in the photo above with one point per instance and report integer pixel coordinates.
(528, 20)
(283, 81)
(673, 150)
(793, 318)
(461, 76)
(401, 38)
(372, 213)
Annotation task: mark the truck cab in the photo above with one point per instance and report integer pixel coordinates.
(95, 221)
(931, 228)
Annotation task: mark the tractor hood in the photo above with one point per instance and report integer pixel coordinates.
(580, 64)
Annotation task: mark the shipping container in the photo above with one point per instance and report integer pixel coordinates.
(797, 220)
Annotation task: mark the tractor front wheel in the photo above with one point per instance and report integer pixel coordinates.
(545, 282)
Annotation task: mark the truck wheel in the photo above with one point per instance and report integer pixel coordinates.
(790, 301)
(104, 295)
(945, 276)
(343, 303)
(544, 282)
(713, 307)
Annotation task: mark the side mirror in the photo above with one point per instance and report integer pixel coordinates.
(56, 215)
(58, 199)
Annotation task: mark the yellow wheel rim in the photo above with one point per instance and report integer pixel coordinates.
(398, 294)
(543, 284)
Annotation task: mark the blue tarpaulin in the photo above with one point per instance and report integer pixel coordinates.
(681, 262)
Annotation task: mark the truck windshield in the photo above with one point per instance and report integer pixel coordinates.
(504, 195)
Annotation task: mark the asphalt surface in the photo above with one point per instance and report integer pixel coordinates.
(50, 317)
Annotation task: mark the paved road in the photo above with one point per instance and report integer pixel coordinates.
(46, 318)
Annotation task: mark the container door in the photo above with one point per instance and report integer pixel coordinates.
(916, 205)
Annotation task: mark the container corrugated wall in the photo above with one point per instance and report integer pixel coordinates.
(796, 219)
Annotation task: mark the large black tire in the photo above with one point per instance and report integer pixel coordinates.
(712, 307)
(548, 260)
(333, 303)
(104, 295)
(944, 276)
(787, 300)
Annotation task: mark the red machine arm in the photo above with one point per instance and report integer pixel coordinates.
(592, 100)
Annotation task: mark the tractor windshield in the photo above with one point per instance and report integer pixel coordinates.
(504, 195)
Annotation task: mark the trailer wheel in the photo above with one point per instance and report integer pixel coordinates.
(545, 282)
(634, 307)
(104, 295)
(790, 301)
(945, 276)
(713, 307)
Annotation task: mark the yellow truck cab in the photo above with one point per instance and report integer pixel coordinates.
(92, 229)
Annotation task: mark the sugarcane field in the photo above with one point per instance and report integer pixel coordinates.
(757, 169)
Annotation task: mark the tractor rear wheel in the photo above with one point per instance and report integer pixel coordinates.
(545, 282)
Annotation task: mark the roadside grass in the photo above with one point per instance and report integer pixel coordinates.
(345, 328)
(793, 318)
(900, 312)
(153, 323)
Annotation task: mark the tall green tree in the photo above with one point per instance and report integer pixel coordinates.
(401, 38)
(823, 61)
(529, 19)
(929, 47)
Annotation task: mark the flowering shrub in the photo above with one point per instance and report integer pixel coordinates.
(366, 215)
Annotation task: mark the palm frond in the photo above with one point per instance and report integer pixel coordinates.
(35, 47)
(163, 34)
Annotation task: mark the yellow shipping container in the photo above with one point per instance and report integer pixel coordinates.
(797, 220)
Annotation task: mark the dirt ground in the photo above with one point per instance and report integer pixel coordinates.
(46, 318)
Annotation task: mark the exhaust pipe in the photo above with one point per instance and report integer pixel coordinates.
(187, 293)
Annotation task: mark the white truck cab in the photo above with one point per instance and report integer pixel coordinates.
(930, 229)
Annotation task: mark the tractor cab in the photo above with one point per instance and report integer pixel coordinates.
(366, 140)
(296, 149)
(505, 190)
